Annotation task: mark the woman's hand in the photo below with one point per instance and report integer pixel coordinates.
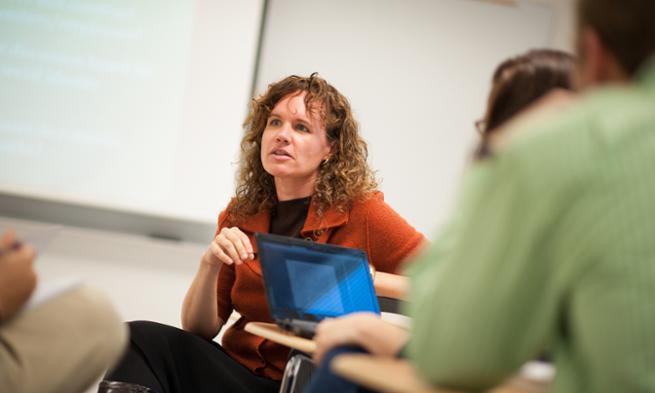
(200, 309)
(228, 247)
(366, 330)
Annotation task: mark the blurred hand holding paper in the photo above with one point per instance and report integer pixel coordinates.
(48, 289)
(39, 237)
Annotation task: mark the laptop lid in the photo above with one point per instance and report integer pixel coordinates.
(308, 281)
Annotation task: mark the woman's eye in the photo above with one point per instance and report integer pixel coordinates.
(274, 122)
(302, 127)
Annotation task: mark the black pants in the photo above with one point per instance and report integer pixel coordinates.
(170, 360)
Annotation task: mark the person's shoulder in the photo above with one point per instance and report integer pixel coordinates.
(546, 119)
(373, 209)
(549, 145)
(618, 112)
(367, 201)
(569, 123)
(360, 207)
(567, 144)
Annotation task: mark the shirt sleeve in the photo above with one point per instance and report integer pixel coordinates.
(391, 239)
(483, 307)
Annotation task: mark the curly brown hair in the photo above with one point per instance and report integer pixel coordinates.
(343, 178)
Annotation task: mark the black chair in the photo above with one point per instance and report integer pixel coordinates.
(300, 367)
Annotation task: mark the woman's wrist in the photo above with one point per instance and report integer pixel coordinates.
(210, 269)
(209, 262)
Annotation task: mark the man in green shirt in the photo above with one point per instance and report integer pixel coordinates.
(553, 245)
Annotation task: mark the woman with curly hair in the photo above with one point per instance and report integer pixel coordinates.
(303, 173)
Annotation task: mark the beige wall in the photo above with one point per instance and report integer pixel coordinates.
(564, 29)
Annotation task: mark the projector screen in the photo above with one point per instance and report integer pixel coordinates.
(128, 105)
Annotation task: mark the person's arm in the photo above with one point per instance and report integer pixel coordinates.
(391, 240)
(17, 276)
(207, 303)
(200, 308)
(365, 330)
(394, 286)
(488, 304)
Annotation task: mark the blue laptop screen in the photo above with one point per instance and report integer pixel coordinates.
(310, 281)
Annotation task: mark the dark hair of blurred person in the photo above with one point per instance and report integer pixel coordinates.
(519, 81)
(626, 28)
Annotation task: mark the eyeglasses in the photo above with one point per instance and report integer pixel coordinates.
(481, 125)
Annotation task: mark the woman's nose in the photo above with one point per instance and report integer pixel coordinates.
(283, 134)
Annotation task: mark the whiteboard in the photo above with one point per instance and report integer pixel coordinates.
(129, 105)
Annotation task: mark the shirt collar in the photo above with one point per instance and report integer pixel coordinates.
(333, 217)
(646, 74)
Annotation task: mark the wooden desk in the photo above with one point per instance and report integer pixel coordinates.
(273, 332)
(389, 375)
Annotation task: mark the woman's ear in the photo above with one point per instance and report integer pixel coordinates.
(333, 149)
(325, 159)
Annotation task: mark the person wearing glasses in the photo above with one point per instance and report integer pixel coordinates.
(554, 246)
(516, 83)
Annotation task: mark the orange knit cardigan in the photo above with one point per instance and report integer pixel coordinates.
(370, 225)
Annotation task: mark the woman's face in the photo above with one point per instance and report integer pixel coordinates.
(294, 141)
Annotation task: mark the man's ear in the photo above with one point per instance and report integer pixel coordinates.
(597, 64)
(591, 54)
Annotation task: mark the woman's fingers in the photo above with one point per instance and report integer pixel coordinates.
(235, 236)
(235, 244)
(231, 246)
(218, 253)
(247, 246)
(228, 247)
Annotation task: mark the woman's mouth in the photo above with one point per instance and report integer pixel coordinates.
(281, 153)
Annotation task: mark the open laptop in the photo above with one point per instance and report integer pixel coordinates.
(307, 282)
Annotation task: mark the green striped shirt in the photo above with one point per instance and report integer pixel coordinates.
(552, 248)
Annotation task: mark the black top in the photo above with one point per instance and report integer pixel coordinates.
(288, 217)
